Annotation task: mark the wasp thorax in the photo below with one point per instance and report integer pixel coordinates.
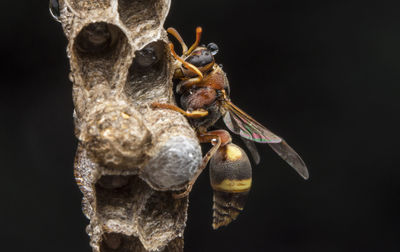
(230, 177)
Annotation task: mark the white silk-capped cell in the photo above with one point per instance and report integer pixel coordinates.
(174, 165)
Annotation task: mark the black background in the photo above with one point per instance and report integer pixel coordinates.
(323, 74)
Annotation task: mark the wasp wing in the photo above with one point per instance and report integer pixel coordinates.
(234, 127)
(253, 150)
(291, 157)
(244, 125)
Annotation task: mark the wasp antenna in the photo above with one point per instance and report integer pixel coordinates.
(176, 56)
(199, 30)
(178, 37)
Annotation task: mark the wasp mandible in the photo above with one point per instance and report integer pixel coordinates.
(204, 90)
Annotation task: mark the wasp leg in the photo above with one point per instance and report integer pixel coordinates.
(196, 43)
(186, 84)
(178, 37)
(184, 63)
(213, 80)
(216, 137)
(191, 114)
(209, 137)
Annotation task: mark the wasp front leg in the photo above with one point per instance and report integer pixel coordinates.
(188, 83)
(187, 65)
(193, 70)
(218, 138)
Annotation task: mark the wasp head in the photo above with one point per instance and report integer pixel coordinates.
(203, 57)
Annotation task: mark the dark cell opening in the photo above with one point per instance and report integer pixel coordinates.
(97, 39)
(148, 70)
(114, 242)
(100, 47)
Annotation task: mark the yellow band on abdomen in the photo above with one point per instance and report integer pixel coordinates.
(228, 185)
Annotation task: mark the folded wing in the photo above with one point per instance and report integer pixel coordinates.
(244, 125)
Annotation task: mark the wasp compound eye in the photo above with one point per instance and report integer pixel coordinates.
(54, 8)
(213, 48)
(201, 58)
(146, 57)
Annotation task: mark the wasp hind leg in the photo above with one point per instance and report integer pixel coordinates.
(216, 137)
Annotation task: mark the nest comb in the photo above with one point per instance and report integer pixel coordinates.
(130, 157)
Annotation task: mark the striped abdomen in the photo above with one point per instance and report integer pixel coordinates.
(230, 176)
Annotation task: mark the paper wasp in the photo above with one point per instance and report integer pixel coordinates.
(204, 90)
